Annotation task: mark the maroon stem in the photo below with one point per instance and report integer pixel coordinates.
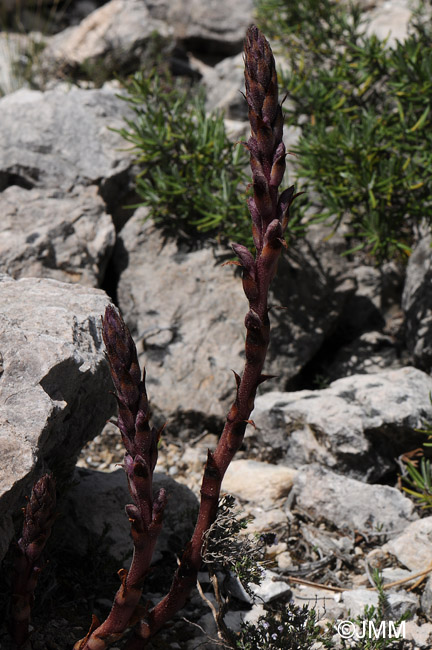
(127, 598)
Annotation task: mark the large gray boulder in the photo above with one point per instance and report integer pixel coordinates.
(61, 138)
(186, 312)
(118, 37)
(367, 338)
(359, 425)
(44, 234)
(370, 353)
(54, 384)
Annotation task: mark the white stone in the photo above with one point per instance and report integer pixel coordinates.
(114, 33)
(164, 286)
(270, 588)
(420, 634)
(390, 21)
(261, 483)
(413, 547)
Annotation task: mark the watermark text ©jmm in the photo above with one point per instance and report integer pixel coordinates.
(370, 630)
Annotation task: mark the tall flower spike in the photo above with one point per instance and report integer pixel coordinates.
(267, 158)
(267, 151)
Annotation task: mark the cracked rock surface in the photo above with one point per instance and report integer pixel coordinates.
(53, 385)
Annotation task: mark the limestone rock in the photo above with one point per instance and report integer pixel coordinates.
(421, 635)
(187, 312)
(426, 598)
(364, 307)
(223, 83)
(264, 521)
(96, 503)
(12, 47)
(212, 27)
(367, 338)
(400, 602)
(54, 383)
(358, 425)
(326, 603)
(413, 547)
(46, 234)
(118, 37)
(377, 293)
(351, 604)
(61, 138)
(350, 504)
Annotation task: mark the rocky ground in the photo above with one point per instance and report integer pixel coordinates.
(321, 467)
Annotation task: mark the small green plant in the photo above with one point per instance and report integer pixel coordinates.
(228, 549)
(363, 109)
(420, 480)
(190, 172)
(417, 470)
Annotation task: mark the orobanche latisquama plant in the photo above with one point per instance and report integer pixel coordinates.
(269, 213)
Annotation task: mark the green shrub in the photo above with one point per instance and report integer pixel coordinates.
(364, 113)
(190, 172)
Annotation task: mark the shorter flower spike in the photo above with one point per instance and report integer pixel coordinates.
(145, 514)
(39, 516)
